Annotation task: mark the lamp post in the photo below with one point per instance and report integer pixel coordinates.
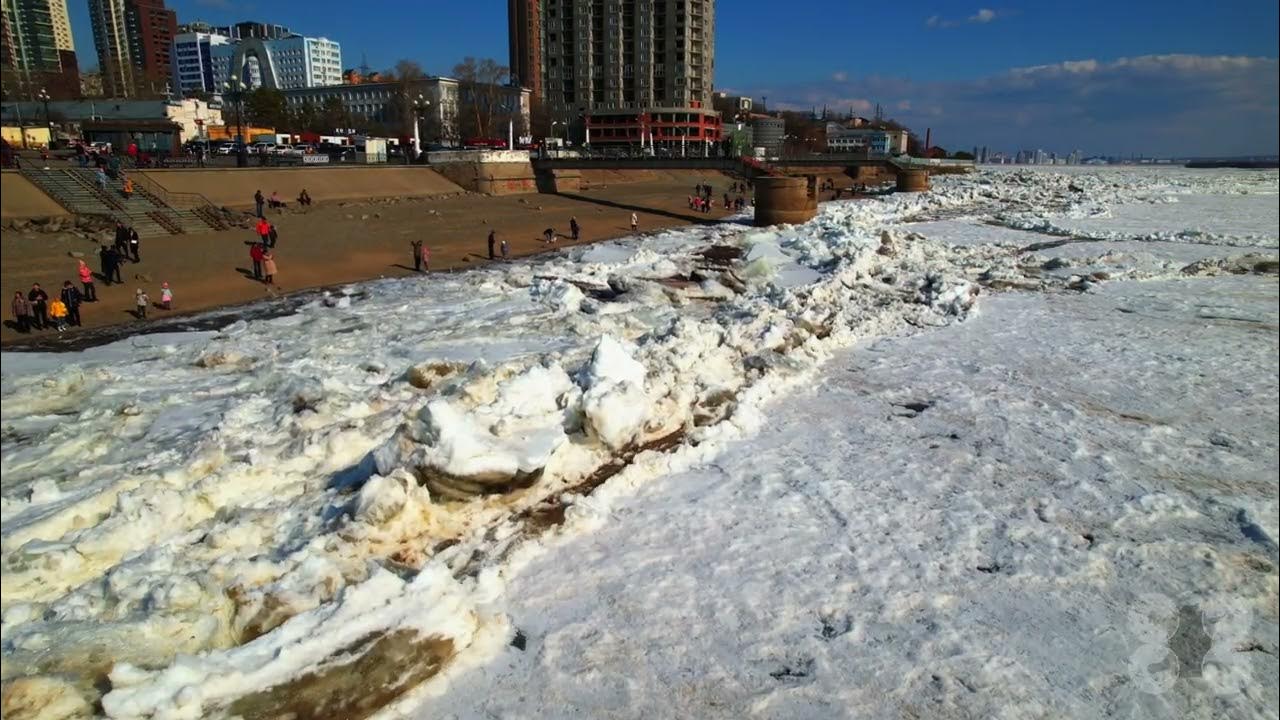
(235, 90)
(420, 105)
(44, 98)
(545, 147)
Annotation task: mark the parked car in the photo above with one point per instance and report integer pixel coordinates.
(264, 148)
(100, 146)
(304, 149)
(230, 148)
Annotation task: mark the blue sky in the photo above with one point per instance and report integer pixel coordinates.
(1108, 77)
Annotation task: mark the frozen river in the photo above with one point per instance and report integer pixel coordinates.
(878, 464)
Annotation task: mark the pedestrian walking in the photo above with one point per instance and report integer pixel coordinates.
(272, 235)
(100, 178)
(21, 312)
(255, 254)
(424, 253)
(574, 229)
(166, 296)
(140, 302)
(122, 239)
(71, 298)
(549, 235)
(635, 222)
(727, 206)
(111, 263)
(127, 189)
(103, 263)
(506, 250)
(199, 156)
(39, 300)
(269, 267)
(58, 314)
(492, 239)
(304, 198)
(134, 243)
(258, 201)
(86, 279)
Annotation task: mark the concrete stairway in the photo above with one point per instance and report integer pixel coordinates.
(76, 189)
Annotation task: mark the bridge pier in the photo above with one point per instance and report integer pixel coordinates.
(913, 180)
(790, 200)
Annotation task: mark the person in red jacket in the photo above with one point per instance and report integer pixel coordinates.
(264, 231)
(255, 254)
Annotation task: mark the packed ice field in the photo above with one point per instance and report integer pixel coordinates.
(1004, 449)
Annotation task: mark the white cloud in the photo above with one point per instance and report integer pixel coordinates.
(981, 17)
(1154, 104)
(840, 76)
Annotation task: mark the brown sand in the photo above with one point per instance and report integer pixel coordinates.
(335, 243)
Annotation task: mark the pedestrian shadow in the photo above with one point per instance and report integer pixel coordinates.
(13, 325)
(135, 314)
(248, 274)
(404, 267)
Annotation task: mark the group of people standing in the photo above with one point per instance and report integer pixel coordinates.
(262, 253)
(36, 311)
(701, 201)
(506, 249)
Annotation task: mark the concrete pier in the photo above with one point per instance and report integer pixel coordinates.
(781, 200)
(913, 180)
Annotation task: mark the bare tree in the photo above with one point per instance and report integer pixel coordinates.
(483, 102)
(407, 75)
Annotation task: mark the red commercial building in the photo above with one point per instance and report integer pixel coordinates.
(657, 127)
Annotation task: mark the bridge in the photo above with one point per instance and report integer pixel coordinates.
(742, 165)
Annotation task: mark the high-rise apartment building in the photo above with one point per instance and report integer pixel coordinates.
(285, 63)
(203, 56)
(134, 39)
(38, 48)
(635, 71)
(251, 29)
(61, 21)
(193, 63)
(30, 44)
(524, 35)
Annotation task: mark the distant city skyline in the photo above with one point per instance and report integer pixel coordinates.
(1119, 78)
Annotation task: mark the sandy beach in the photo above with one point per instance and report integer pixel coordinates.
(341, 242)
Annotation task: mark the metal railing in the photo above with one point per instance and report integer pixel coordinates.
(177, 200)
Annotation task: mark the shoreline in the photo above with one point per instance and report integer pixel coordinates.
(216, 317)
(328, 246)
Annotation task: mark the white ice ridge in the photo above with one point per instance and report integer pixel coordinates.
(190, 497)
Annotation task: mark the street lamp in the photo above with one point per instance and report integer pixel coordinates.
(235, 90)
(420, 105)
(44, 98)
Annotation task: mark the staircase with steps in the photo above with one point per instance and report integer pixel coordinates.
(76, 189)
